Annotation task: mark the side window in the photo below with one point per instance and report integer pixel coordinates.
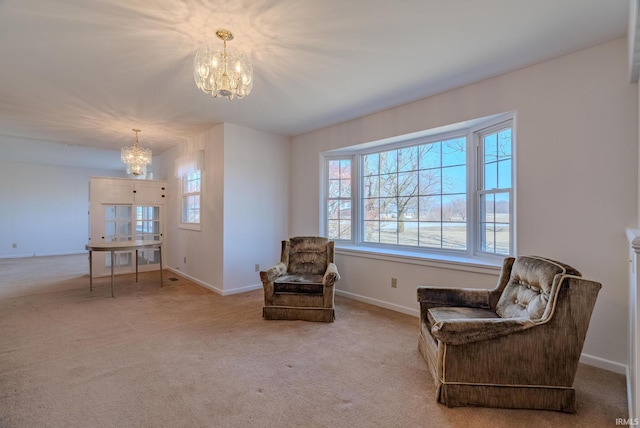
(495, 189)
(339, 202)
(191, 184)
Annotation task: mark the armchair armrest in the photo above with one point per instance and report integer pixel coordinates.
(331, 275)
(468, 297)
(271, 274)
(461, 331)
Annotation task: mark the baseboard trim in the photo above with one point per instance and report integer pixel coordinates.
(380, 303)
(630, 403)
(216, 289)
(244, 289)
(601, 363)
(196, 280)
(25, 255)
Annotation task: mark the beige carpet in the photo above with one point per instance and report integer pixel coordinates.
(182, 356)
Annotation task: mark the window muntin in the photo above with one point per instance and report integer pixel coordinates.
(339, 199)
(191, 185)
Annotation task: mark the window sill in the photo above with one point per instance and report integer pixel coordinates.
(188, 226)
(442, 261)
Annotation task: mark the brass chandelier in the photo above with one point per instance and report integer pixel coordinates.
(224, 72)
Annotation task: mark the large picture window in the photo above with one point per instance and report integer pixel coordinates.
(449, 193)
(416, 195)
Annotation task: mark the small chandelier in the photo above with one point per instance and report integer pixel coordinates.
(224, 73)
(136, 158)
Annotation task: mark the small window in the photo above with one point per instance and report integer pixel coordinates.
(191, 185)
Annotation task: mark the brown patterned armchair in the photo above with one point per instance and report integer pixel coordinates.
(301, 286)
(516, 346)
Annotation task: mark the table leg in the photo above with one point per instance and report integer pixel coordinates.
(112, 263)
(90, 270)
(136, 265)
(160, 255)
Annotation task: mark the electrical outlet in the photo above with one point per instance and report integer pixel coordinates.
(257, 267)
(14, 245)
(394, 282)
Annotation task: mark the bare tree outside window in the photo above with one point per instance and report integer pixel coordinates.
(416, 195)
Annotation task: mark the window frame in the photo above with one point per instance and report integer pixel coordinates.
(183, 194)
(472, 131)
(480, 190)
(325, 193)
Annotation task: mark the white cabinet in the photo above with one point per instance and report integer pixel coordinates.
(122, 190)
(122, 210)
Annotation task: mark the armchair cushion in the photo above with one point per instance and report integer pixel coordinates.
(456, 326)
(532, 285)
(308, 255)
(435, 296)
(442, 315)
(304, 284)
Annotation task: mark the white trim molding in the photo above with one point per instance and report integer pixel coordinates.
(633, 386)
(633, 38)
(216, 290)
(379, 303)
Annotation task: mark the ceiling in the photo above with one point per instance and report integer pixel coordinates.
(85, 72)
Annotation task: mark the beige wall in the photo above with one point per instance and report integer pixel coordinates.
(256, 203)
(577, 184)
(203, 249)
(245, 171)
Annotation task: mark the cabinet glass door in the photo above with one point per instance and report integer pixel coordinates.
(117, 225)
(148, 229)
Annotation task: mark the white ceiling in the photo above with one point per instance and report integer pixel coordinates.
(85, 72)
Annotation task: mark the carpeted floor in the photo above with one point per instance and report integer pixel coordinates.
(183, 356)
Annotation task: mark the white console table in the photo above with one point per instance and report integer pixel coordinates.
(121, 246)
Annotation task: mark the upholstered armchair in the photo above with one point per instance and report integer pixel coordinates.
(301, 286)
(515, 346)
